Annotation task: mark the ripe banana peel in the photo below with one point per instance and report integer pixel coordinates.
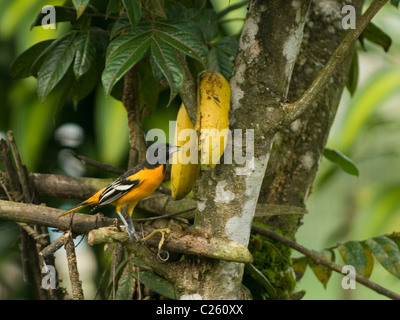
(185, 166)
(213, 104)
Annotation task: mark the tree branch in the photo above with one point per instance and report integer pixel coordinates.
(326, 263)
(296, 109)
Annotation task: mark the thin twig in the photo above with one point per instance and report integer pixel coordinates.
(318, 259)
(76, 284)
(54, 246)
(296, 109)
(100, 165)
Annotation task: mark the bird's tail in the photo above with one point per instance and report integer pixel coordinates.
(78, 207)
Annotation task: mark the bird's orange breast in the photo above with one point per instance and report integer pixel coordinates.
(150, 180)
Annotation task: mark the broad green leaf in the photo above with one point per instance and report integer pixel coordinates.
(80, 6)
(352, 81)
(55, 65)
(185, 36)
(370, 260)
(21, 67)
(86, 83)
(167, 61)
(123, 53)
(342, 161)
(353, 254)
(386, 252)
(63, 14)
(222, 56)
(134, 10)
(157, 284)
(322, 273)
(125, 287)
(377, 36)
(122, 24)
(85, 53)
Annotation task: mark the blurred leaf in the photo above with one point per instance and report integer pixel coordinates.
(157, 284)
(377, 36)
(353, 254)
(85, 53)
(322, 273)
(114, 6)
(80, 6)
(55, 65)
(261, 279)
(340, 159)
(111, 129)
(86, 83)
(21, 67)
(300, 266)
(353, 74)
(63, 14)
(386, 252)
(395, 3)
(134, 10)
(125, 288)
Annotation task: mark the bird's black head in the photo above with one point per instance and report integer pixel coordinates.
(159, 153)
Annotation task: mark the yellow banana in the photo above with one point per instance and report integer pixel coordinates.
(185, 166)
(213, 104)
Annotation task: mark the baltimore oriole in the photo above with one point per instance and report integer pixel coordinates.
(134, 185)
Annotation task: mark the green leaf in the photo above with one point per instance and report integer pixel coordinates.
(261, 279)
(386, 252)
(134, 10)
(21, 67)
(352, 81)
(86, 83)
(377, 36)
(80, 6)
(322, 273)
(56, 64)
(63, 14)
(123, 53)
(231, 8)
(342, 161)
(157, 284)
(396, 3)
(185, 36)
(114, 6)
(370, 260)
(85, 53)
(166, 58)
(125, 287)
(222, 56)
(122, 24)
(353, 254)
(300, 266)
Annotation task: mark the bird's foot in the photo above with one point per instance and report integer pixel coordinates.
(163, 231)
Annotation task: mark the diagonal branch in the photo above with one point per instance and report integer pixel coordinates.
(326, 263)
(296, 109)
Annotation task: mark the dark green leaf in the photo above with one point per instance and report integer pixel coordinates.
(125, 287)
(261, 279)
(353, 74)
(185, 36)
(386, 252)
(222, 56)
(85, 53)
(377, 36)
(396, 3)
(56, 64)
(63, 14)
(134, 10)
(322, 273)
(157, 284)
(123, 53)
(21, 67)
(80, 6)
(342, 161)
(86, 83)
(353, 254)
(166, 58)
(300, 266)
(122, 24)
(114, 6)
